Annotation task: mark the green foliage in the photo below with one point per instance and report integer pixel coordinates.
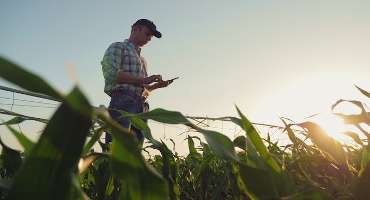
(47, 171)
(23, 140)
(62, 164)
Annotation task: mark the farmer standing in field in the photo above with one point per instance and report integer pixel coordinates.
(126, 78)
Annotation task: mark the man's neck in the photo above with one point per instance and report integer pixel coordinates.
(138, 49)
(133, 42)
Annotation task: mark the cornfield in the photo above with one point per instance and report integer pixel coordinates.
(63, 165)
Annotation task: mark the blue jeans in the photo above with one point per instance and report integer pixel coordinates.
(128, 102)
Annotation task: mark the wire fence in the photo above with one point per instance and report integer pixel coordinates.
(23, 99)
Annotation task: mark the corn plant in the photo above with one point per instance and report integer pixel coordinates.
(63, 165)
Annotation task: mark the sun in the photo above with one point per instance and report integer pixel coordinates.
(334, 126)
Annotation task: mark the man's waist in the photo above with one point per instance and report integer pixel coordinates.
(138, 96)
(128, 87)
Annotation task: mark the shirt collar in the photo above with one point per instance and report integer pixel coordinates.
(132, 45)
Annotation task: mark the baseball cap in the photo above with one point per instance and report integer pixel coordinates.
(150, 25)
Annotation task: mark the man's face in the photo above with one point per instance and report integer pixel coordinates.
(143, 35)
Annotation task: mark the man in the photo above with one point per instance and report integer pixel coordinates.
(126, 78)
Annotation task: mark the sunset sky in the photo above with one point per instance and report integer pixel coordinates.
(271, 58)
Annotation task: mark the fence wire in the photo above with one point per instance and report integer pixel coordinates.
(223, 125)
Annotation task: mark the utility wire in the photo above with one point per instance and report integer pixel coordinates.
(228, 119)
(30, 101)
(198, 120)
(34, 94)
(23, 105)
(7, 112)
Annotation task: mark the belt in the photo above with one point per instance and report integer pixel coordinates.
(129, 93)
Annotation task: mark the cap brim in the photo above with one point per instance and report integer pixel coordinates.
(157, 34)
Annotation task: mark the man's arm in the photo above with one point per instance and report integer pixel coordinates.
(124, 77)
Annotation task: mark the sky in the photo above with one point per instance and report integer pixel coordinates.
(270, 58)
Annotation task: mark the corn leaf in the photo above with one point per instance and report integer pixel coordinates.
(26, 143)
(364, 92)
(138, 179)
(258, 182)
(258, 143)
(25, 79)
(325, 143)
(218, 142)
(48, 171)
(10, 159)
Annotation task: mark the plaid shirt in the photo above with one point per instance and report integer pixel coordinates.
(126, 57)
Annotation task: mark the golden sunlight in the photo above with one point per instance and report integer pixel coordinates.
(334, 127)
(314, 95)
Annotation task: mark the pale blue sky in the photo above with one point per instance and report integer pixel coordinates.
(272, 58)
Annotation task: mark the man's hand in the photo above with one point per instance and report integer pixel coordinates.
(160, 84)
(152, 79)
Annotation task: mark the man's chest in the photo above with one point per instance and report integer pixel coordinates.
(134, 63)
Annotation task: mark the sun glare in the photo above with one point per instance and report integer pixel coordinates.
(312, 95)
(334, 127)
